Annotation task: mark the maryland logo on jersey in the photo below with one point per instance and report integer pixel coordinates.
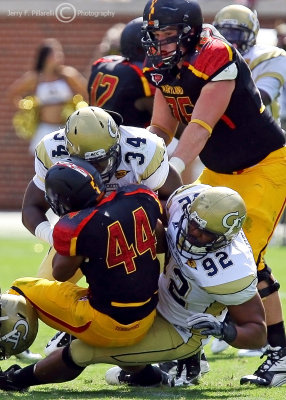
(120, 174)
(192, 263)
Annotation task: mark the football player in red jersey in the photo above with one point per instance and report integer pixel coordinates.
(117, 82)
(211, 269)
(203, 82)
(116, 251)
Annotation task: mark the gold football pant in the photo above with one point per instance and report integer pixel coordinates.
(162, 343)
(263, 188)
(65, 307)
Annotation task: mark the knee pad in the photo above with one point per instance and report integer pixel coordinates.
(69, 361)
(273, 284)
(81, 353)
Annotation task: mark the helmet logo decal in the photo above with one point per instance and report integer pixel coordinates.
(236, 221)
(201, 222)
(73, 166)
(112, 128)
(121, 174)
(90, 155)
(152, 11)
(157, 78)
(14, 336)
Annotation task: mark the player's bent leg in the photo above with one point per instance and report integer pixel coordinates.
(45, 271)
(272, 372)
(65, 306)
(161, 343)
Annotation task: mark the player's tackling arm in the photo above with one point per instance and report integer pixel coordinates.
(34, 207)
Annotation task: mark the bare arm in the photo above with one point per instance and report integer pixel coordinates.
(249, 319)
(209, 108)
(163, 123)
(34, 207)
(161, 238)
(172, 183)
(64, 267)
(22, 87)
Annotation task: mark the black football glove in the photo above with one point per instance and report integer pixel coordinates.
(209, 325)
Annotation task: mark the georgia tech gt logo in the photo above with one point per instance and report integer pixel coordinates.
(229, 221)
(14, 336)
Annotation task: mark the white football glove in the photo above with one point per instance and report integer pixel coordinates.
(210, 325)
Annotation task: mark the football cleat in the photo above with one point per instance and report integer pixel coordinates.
(6, 380)
(205, 366)
(28, 356)
(272, 372)
(60, 339)
(218, 346)
(117, 376)
(171, 366)
(188, 371)
(250, 353)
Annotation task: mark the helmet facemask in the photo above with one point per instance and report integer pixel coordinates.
(241, 37)
(239, 25)
(182, 16)
(105, 162)
(153, 46)
(196, 250)
(219, 212)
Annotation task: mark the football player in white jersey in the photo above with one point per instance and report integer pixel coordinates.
(211, 269)
(240, 26)
(122, 154)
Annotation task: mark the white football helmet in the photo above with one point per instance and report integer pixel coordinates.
(92, 133)
(217, 210)
(18, 325)
(239, 25)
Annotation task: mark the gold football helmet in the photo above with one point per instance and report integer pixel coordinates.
(91, 133)
(239, 25)
(217, 210)
(18, 325)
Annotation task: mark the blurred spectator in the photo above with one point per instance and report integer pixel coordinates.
(45, 96)
(247, 3)
(110, 44)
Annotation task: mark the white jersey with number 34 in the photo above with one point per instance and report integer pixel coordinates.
(143, 158)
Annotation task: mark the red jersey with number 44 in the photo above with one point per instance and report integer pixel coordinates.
(117, 239)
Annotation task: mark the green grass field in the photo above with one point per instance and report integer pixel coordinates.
(21, 257)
